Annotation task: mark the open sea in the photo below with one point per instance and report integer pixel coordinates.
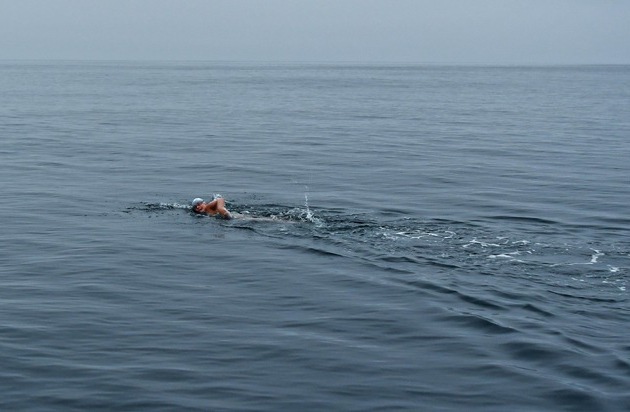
(408, 237)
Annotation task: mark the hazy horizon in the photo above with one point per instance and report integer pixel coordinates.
(484, 32)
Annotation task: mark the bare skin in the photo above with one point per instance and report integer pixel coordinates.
(217, 206)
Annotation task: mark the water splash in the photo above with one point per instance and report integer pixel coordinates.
(596, 255)
(304, 214)
(158, 206)
(308, 214)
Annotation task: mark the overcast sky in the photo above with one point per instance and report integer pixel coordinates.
(422, 31)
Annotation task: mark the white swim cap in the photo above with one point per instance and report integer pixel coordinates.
(196, 201)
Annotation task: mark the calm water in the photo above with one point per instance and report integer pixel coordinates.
(410, 238)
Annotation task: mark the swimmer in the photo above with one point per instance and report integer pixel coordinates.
(217, 206)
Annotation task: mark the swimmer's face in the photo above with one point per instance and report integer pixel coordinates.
(199, 207)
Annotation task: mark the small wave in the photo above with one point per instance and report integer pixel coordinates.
(594, 259)
(526, 219)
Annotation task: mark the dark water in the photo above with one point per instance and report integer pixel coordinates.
(410, 238)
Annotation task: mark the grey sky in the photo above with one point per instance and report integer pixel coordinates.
(438, 31)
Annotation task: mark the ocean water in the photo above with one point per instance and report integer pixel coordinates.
(436, 238)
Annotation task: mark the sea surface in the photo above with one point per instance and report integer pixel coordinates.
(407, 237)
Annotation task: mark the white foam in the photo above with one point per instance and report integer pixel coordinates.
(163, 205)
(521, 242)
(509, 256)
(418, 235)
(477, 242)
(596, 256)
(501, 256)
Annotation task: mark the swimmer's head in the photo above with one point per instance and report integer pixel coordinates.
(196, 202)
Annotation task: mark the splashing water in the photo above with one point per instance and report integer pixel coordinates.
(308, 214)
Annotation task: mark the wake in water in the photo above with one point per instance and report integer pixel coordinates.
(408, 243)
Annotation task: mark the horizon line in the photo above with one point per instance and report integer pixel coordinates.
(317, 62)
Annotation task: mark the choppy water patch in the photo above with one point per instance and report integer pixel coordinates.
(543, 257)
